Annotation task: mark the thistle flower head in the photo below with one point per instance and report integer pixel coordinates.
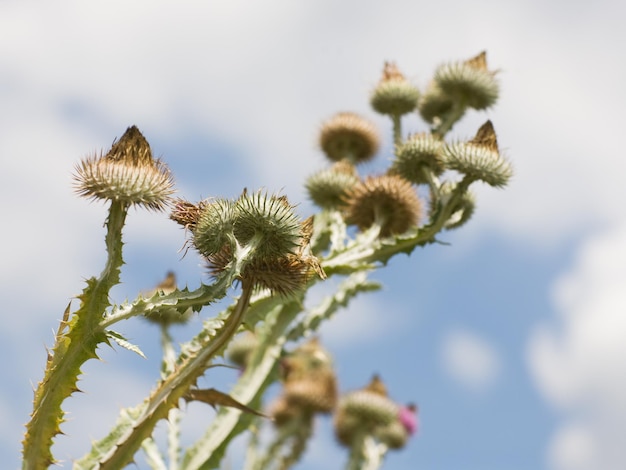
(480, 159)
(388, 201)
(127, 173)
(469, 81)
(419, 153)
(328, 187)
(348, 136)
(394, 95)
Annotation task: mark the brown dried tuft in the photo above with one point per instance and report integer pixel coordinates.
(388, 200)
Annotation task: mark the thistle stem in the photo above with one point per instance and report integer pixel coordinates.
(450, 119)
(174, 387)
(397, 128)
(75, 343)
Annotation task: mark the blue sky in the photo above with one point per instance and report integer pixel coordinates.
(512, 339)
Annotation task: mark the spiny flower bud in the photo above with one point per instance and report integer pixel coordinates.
(370, 405)
(328, 187)
(394, 95)
(213, 228)
(348, 136)
(127, 173)
(362, 410)
(388, 201)
(419, 152)
(470, 82)
(239, 350)
(480, 159)
(268, 222)
(434, 103)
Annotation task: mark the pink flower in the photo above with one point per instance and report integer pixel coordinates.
(408, 417)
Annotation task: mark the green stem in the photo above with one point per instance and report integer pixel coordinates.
(173, 416)
(75, 343)
(451, 118)
(356, 459)
(373, 453)
(174, 387)
(397, 128)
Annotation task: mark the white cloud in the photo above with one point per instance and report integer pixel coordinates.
(579, 363)
(469, 360)
(573, 448)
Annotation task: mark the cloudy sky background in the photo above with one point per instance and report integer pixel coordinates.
(512, 340)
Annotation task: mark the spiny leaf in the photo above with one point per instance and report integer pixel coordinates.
(123, 342)
(214, 398)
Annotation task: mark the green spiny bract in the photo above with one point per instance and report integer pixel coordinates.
(267, 224)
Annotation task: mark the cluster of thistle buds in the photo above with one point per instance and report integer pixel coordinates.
(257, 234)
(310, 388)
(389, 201)
(258, 240)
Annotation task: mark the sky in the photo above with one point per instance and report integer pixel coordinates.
(512, 338)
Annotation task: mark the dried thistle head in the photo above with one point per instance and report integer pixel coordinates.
(388, 201)
(394, 95)
(479, 158)
(127, 173)
(470, 82)
(187, 213)
(350, 137)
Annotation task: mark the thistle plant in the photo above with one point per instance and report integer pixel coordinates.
(259, 248)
